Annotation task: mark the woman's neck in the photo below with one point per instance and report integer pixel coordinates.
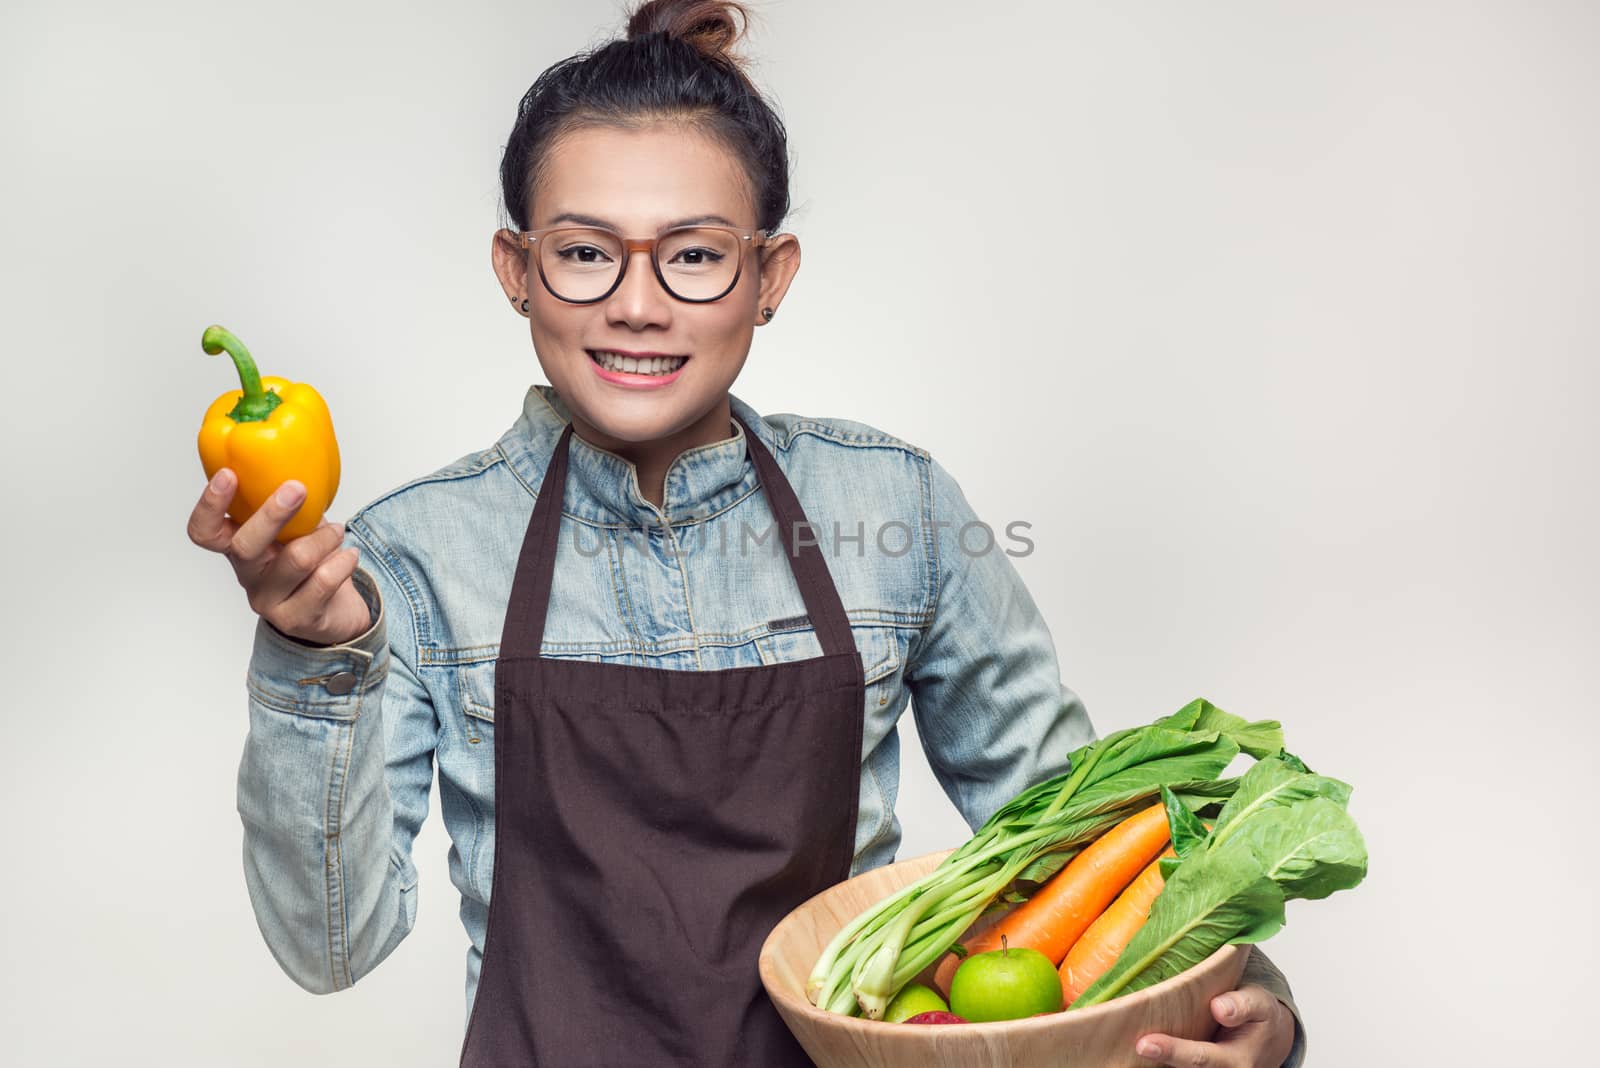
(652, 458)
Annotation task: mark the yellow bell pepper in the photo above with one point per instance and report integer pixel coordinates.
(267, 432)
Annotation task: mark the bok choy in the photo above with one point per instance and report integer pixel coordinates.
(1284, 834)
(1028, 840)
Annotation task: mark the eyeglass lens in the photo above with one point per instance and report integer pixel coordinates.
(696, 263)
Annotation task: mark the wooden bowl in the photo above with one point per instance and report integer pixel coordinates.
(1099, 1037)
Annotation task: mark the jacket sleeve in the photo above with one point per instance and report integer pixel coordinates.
(1260, 970)
(333, 787)
(986, 691)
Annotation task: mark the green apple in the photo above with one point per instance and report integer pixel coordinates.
(1005, 984)
(911, 1000)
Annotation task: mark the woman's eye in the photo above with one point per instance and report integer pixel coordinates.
(706, 255)
(582, 254)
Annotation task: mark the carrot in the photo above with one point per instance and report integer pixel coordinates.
(1063, 908)
(1107, 936)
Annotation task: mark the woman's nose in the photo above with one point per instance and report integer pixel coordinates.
(640, 293)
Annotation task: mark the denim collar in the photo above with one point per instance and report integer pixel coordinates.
(603, 488)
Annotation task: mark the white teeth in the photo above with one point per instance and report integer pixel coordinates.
(650, 365)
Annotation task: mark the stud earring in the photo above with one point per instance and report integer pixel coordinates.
(768, 313)
(524, 305)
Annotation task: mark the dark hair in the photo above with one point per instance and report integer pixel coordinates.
(675, 64)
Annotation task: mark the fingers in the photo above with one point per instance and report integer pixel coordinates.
(1182, 1053)
(1255, 1032)
(256, 537)
(306, 609)
(209, 525)
(1248, 1004)
(291, 585)
(293, 563)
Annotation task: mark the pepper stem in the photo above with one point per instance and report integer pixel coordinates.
(257, 403)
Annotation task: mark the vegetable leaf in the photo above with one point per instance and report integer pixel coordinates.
(1293, 761)
(1047, 865)
(1166, 759)
(1311, 849)
(1273, 783)
(1188, 833)
(1260, 739)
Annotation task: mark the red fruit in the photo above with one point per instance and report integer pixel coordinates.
(935, 1018)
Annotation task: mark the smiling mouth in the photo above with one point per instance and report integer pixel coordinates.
(649, 365)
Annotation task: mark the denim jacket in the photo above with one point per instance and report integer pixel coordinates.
(339, 760)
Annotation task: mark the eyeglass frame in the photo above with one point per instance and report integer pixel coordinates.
(748, 239)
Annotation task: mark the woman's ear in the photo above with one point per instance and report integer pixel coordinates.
(510, 266)
(780, 259)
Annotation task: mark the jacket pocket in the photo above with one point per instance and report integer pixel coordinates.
(879, 646)
(881, 658)
(476, 692)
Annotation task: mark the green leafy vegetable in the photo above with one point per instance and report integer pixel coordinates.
(1188, 833)
(1261, 739)
(1284, 834)
(1026, 841)
(1272, 784)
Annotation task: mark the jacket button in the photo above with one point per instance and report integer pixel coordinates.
(342, 683)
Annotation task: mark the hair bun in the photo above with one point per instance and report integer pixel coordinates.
(674, 62)
(709, 25)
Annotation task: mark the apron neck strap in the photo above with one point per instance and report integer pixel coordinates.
(810, 570)
(523, 634)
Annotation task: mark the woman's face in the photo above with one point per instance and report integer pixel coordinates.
(639, 181)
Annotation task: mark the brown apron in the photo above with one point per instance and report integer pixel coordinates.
(653, 825)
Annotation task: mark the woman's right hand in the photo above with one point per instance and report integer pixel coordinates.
(303, 586)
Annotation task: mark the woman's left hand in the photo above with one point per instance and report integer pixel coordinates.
(1257, 1032)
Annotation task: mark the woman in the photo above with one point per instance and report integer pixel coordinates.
(661, 716)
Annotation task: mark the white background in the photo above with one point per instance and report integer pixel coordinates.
(1276, 321)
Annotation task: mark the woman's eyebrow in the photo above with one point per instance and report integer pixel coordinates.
(592, 220)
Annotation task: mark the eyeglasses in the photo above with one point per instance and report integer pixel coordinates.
(584, 264)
